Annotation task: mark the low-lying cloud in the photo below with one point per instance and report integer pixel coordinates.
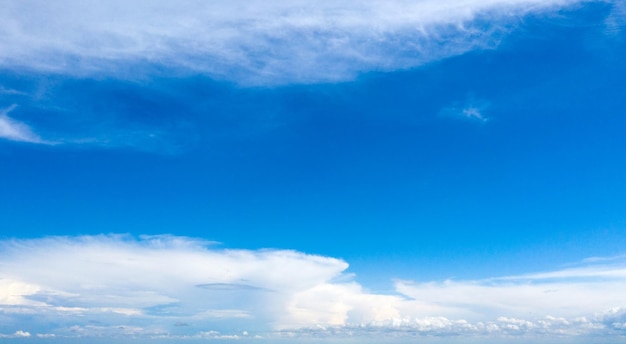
(252, 42)
(148, 287)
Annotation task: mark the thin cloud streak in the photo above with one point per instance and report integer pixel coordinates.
(149, 285)
(252, 42)
(13, 130)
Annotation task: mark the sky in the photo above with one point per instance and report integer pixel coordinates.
(313, 171)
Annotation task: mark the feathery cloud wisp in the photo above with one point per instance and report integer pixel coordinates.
(11, 129)
(252, 42)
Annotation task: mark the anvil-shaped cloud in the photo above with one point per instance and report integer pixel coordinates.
(153, 285)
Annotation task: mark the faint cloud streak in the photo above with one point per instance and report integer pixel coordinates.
(13, 130)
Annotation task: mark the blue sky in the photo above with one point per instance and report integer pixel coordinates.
(299, 170)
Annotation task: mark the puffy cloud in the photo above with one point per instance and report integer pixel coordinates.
(176, 287)
(173, 280)
(17, 334)
(252, 41)
(338, 304)
(501, 329)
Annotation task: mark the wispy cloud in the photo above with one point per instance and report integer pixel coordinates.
(616, 21)
(150, 286)
(472, 109)
(252, 42)
(550, 294)
(474, 113)
(10, 91)
(11, 129)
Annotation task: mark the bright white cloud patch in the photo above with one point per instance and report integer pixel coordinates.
(172, 286)
(257, 42)
(17, 334)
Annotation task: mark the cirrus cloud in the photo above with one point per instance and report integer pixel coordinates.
(252, 42)
(13, 130)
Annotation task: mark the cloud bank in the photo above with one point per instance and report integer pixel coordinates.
(167, 286)
(252, 42)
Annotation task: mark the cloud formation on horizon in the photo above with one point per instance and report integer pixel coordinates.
(117, 285)
(252, 42)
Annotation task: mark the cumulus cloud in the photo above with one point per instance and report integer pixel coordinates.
(164, 278)
(169, 286)
(17, 334)
(252, 42)
(11, 129)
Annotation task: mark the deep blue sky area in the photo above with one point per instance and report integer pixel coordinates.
(383, 171)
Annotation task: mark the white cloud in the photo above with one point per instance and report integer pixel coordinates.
(11, 129)
(164, 277)
(567, 293)
(17, 334)
(13, 292)
(117, 285)
(474, 113)
(252, 41)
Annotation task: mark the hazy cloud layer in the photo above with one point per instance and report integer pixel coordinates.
(251, 42)
(168, 286)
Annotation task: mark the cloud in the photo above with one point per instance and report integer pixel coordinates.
(474, 113)
(11, 129)
(569, 293)
(17, 334)
(10, 91)
(616, 21)
(162, 278)
(471, 109)
(252, 42)
(168, 286)
(500, 329)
